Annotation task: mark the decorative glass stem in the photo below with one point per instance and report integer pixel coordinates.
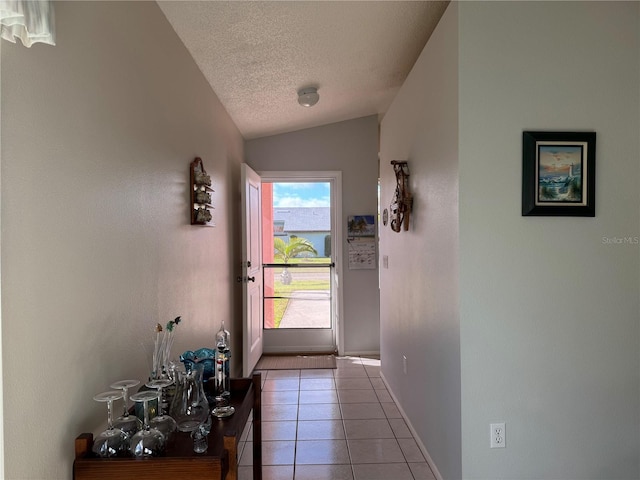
(125, 400)
(113, 441)
(110, 414)
(148, 442)
(145, 409)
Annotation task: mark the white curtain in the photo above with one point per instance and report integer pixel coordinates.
(31, 21)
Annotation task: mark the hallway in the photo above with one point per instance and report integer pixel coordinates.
(337, 424)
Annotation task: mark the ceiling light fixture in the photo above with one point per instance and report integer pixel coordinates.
(308, 97)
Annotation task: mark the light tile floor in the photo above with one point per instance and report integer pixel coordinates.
(337, 424)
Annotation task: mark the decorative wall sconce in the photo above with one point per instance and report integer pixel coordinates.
(400, 209)
(200, 194)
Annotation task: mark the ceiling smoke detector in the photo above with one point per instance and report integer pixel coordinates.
(308, 97)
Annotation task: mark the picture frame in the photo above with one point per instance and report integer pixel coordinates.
(558, 173)
(361, 226)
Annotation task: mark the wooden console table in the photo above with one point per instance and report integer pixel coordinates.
(219, 462)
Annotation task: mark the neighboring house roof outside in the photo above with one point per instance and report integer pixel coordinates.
(303, 219)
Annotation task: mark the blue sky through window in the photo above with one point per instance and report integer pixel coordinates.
(301, 194)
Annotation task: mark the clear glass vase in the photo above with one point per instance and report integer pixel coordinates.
(189, 407)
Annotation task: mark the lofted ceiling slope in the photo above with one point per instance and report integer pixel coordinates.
(257, 55)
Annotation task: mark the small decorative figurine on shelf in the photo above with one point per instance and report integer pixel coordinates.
(199, 436)
(202, 215)
(202, 178)
(203, 197)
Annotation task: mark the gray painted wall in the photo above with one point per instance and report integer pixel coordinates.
(97, 136)
(548, 309)
(419, 290)
(351, 147)
(548, 306)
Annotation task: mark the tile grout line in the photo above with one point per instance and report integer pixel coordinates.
(295, 441)
(336, 376)
(344, 428)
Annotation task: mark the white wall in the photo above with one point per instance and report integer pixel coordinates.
(1, 391)
(350, 147)
(419, 291)
(97, 136)
(548, 312)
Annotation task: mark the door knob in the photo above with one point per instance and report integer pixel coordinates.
(251, 279)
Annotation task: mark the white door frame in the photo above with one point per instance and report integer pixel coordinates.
(335, 178)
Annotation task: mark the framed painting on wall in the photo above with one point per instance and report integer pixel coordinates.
(558, 173)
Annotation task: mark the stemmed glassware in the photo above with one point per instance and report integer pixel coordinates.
(113, 441)
(125, 422)
(162, 422)
(148, 442)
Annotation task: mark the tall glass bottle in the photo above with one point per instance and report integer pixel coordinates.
(222, 384)
(223, 344)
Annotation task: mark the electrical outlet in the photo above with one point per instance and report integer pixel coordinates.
(385, 261)
(498, 435)
(404, 364)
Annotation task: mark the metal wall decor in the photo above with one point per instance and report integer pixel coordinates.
(400, 208)
(201, 203)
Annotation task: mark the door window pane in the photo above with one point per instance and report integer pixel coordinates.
(297, 254)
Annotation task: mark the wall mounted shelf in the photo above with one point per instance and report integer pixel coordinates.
(201, 195)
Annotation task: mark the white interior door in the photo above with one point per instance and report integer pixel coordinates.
(251, 269)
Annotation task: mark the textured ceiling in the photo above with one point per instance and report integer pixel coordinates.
(257, 55)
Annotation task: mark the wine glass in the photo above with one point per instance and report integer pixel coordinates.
(113, 442)
(125, 422)
(162, 422)
(148, 442)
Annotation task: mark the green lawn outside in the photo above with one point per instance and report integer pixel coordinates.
(280, 304)
(310, 260)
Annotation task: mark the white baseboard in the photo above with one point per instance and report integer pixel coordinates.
(421, 446)
(323, 349)
(285, 350)
(363, 353)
